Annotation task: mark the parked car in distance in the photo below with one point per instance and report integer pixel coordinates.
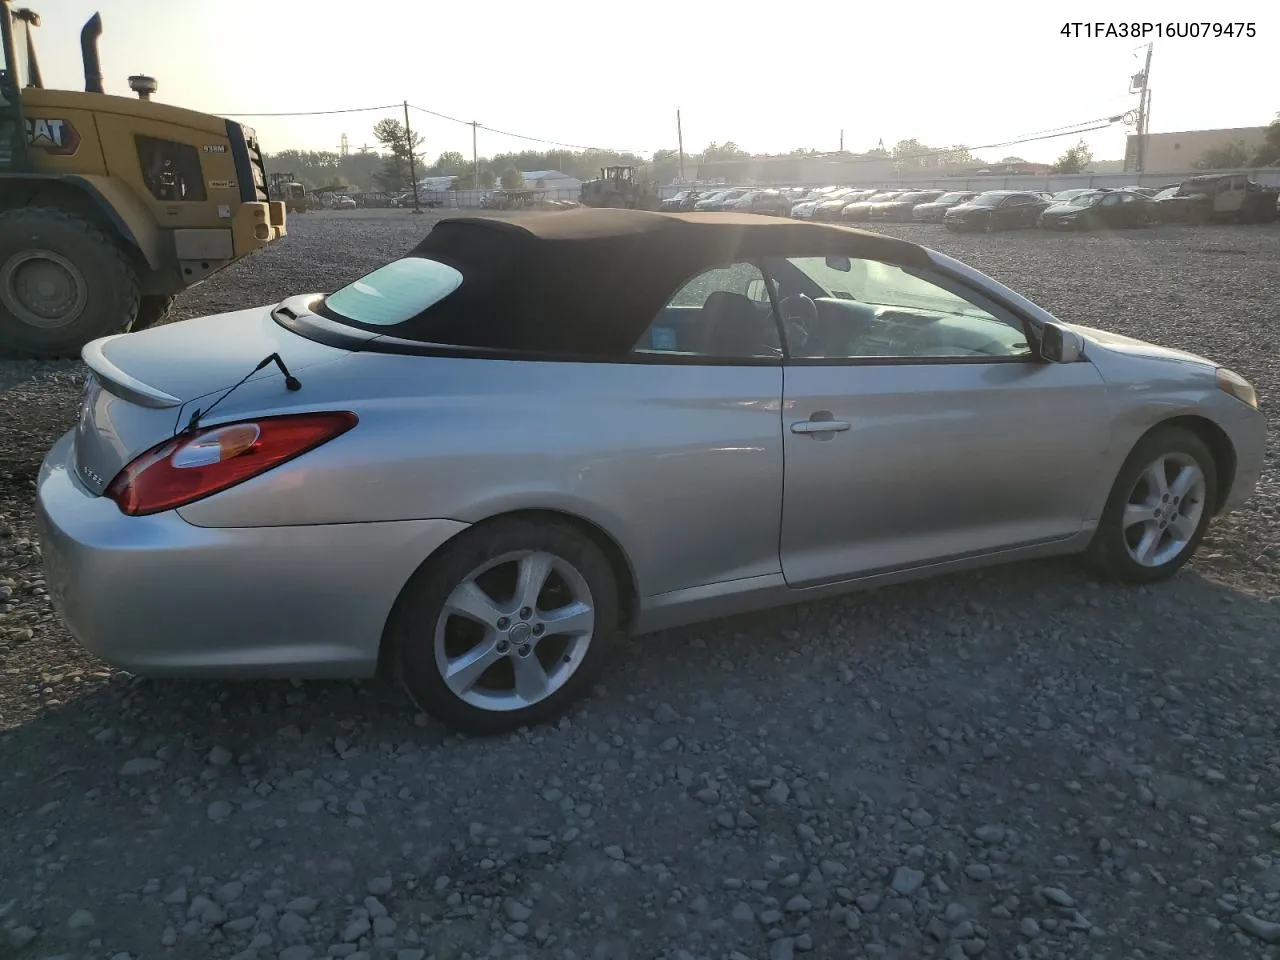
(717, 201)
(684, 200)
(899, 209)
(1111, 209)
(1062, 196)
(829, 209)
(400, 443)
(1218, 198)
(860, 208)
(803, 209)
(933, 212)
(768, 202)
(997, 210)
(1147, 192)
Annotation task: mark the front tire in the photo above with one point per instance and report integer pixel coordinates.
(152, 309)
(1158, 510)
(507, 627)
(63, 282)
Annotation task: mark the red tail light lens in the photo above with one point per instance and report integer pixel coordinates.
(191, 467)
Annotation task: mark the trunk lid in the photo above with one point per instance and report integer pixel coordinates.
(139, 383)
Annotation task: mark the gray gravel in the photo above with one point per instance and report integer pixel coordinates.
(1016, 764)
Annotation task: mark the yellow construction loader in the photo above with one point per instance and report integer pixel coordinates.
(111, 205)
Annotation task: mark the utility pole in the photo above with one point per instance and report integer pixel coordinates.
(1142, 81)
(475, 157)
(408, 143)
(842, 141)
(680, 143)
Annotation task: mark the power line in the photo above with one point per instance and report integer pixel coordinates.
(1100, 124)
(1047, 134)
(307, 113)
(519, 136)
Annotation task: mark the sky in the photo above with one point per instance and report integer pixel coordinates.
(613, 75)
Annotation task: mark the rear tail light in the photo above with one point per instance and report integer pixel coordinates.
(193, 466)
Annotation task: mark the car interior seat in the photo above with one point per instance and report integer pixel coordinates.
(738, 327)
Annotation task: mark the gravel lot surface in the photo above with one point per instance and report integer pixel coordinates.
(1020, 763)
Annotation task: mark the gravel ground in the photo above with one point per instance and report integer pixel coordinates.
(1017, 763)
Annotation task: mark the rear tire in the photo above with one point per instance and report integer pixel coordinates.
(532, 661)
(63, 282)
(1147, 532)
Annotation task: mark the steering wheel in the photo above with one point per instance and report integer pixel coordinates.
(798, 312)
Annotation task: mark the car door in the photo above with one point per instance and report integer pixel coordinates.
(1109, 210)
(703, 482)
(1024, 209)
(920, 428)
(1005, 213)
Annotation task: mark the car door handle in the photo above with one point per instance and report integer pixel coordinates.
(820, 426)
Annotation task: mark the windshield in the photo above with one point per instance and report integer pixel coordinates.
(394, 293)
(877, 198)
(987, 200)
(1084, 199)
(911, 196)
(1166, 193)
(883, 284)
(953, 197)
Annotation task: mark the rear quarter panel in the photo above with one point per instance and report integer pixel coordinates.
(680, 465)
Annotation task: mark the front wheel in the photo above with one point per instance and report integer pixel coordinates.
(507, 626)
(1158, 509)
(152, 309)
(63, 282)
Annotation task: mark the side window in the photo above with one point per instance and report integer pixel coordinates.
(834, 308)
(171, 170)
(724, 313)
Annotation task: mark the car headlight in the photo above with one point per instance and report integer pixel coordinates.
(1237, 386)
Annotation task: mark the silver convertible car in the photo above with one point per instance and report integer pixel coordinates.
(480, 465)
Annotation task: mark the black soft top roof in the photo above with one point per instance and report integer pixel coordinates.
(589, 282)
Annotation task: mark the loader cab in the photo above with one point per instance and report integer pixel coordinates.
(17, 69)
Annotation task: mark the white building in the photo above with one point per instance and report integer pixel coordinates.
(552, 180)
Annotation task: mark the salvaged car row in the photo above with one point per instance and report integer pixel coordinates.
(1204, 199)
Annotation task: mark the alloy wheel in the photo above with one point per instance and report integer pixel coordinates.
(1164, 509)
(514, 630)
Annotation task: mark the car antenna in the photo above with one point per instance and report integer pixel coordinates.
(290, 381)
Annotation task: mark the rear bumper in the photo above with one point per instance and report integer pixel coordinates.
(159, 596)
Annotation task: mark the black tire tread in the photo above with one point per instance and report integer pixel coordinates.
(1105, 556)
(152, 309)
(10, 220)
(412, 656)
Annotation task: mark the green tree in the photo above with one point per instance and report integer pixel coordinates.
(449, 164)
(724, 151)
(395, 174)
(1268, 154)
(1232, 156)
(1075, 159)
(511, 179)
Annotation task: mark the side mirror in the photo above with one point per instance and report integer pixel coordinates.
(843, 264)
(756, 291)
(1058, 345)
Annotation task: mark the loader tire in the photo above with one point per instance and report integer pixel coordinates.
(152, 309)
(63, 282)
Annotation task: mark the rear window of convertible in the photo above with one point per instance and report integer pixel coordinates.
(394, 293)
